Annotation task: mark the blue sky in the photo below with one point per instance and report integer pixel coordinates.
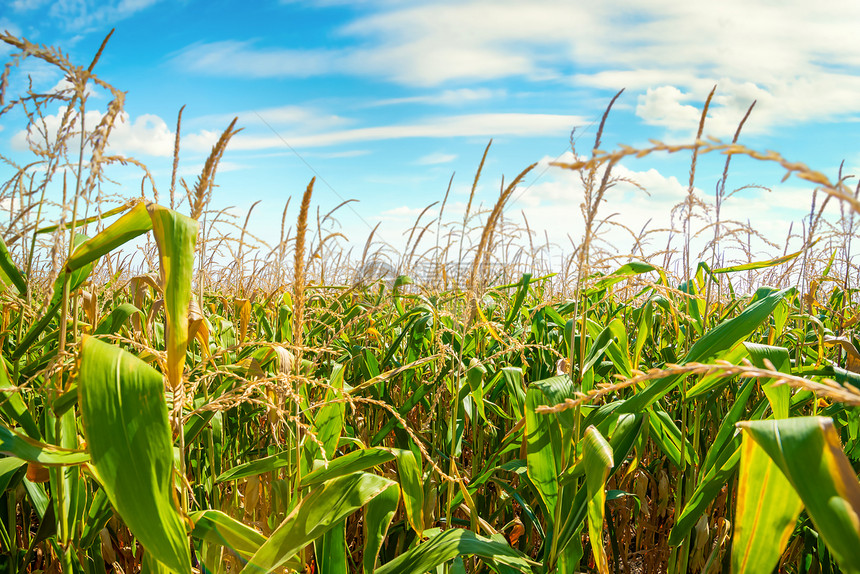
(386, 99)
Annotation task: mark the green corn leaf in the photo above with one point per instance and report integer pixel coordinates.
(625, 271)
(643, 330)
(124, 419)
(12, 470)
(216, 527)
(9, 273)
(317, 513)
(721, 338)
(544, 441)
(761, 264)
(624, 431)
(409, 473)
(621, 442)
(65, 401)
(111, 324)
(475, 378)
(259, 466)
(808, 452)
(98, 514)
(714, 381)
(693, 303)
(66, 507)
(14, 407)
(598, 460)
(618, 349)
(450, 544)
(327, 425)
(377, 518)
(767, 510)
(82, 222)
(667, 437)
(727, 428)
(720, 464)
(32, 450)
(354, 461)
(410, 403)
(522, 290)
(149, 565)
(134, 223)
(9, 467)
(330, 551)
(778, 396)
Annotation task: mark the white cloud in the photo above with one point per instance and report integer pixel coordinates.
(436, 159)
(86, 14)
(485, 125)
(402, 212)
(40, 73)
(339, 154)
(64, 85)
(27, 5)
(297, 118)
(8, 25)
(796, 59)
(244, 59)
(196, 168)
(10, 205)
(446, 97)
(553, 203)
(147, 134)
(663, 106)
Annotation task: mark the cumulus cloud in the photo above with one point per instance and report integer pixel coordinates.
(146, 134)
(664, 106)
(554, 203)
(65, 85)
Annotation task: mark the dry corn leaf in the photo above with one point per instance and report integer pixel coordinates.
(852, 361)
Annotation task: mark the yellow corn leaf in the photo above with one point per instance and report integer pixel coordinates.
(176, 237)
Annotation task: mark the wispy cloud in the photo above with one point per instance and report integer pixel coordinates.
(436, 159)
(446, 97)
(82, 15)
(26, 5)
(246, 60)
(303, 119)
(400, 213)
(186, 170)
(655, 49)
(485, 125)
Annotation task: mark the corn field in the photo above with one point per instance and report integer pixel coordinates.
(663, 413)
